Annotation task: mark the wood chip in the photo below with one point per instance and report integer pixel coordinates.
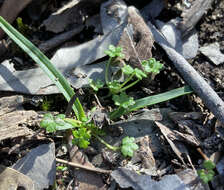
(10, 124)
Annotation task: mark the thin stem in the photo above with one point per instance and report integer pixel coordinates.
(97, 100)
(128, 79)
(107, 70)
(129, 86)
(114, 148)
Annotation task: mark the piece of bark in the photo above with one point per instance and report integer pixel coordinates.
(193, 15)
(10, 124)
(59, 39)
(191, 76)
(10, 10)
(10, 103)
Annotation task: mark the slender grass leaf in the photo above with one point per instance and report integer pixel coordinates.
(151, 100)
(45, 64)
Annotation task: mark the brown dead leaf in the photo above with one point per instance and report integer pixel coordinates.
(137, 40)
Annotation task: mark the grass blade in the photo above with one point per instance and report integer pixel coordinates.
(45, 64)
(151, 100)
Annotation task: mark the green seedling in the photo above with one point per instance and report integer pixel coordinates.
(62, 168)
(23, 28)
(128, 146)
(207, 173)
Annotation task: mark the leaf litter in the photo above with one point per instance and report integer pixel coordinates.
(173, 139)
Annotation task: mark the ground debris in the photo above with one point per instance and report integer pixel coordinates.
(127, 178)
(40, 165)
(12, 180)
(213, 52)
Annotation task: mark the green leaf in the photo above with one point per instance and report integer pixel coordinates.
(140, 74)
(48, 123)
(114, 51)
(96, 85)
(127, 69)
(206, 175)
(152, 66)
(57, 78)
(81, 137)
(128, 146)
(52, 124)
(114, 86)
(123, 100)
(208, 164)
(151, 100)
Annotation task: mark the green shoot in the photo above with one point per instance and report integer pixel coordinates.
(62, 168)
(128, 146)
(207, 173)
(23, 28)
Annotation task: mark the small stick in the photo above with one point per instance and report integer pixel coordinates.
(202, 154)
(98, 170)
(191, 76)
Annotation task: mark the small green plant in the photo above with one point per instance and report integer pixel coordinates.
(133, 75)
(207, 173)
(128, 146)
(117, 89)
(83, 131)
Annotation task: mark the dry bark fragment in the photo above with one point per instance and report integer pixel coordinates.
(10, 124)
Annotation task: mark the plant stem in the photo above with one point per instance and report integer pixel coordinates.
(128, 79)
(107, 70)
(129, 86)
(114, 148)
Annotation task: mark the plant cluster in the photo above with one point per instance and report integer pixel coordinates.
(207, 173)
(81, 126)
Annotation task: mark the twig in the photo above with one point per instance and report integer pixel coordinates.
(191, 76)
(59, 39)
(83, 167)
(202, 154)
